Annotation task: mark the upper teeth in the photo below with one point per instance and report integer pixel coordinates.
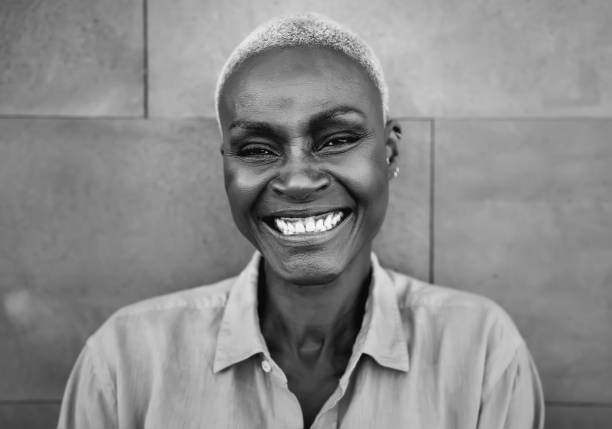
(320, 223)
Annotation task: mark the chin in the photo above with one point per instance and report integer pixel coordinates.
(310, 271)
(316, 266)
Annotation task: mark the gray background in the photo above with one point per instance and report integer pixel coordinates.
(111, 191)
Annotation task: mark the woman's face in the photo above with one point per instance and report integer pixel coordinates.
(305, 160)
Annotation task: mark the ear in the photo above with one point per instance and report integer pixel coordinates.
(393, 135)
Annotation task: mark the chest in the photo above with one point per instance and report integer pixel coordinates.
(312, 376)
(248, 396)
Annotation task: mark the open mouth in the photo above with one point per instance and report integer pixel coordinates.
(316, 224)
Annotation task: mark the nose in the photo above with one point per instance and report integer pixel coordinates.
(299, 180)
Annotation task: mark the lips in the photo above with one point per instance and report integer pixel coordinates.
(304, 225)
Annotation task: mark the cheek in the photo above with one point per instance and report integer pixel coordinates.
(242, 186)
(369, 184)
(368, 177)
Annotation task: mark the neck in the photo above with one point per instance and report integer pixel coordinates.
(299, 312)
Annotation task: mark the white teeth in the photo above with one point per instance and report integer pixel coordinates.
(311, 224)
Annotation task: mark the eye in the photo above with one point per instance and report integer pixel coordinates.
(257, 151)
(338, 143)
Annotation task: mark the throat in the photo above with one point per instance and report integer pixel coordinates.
(311, 324)
(310, 349)
(314, 349)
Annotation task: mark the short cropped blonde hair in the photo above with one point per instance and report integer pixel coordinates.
(307, 30)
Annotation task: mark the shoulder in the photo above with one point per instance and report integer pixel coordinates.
(444, 310)
(165, 320)
(203, 298)
(412, 292)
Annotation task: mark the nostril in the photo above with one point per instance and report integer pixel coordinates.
(300, 185)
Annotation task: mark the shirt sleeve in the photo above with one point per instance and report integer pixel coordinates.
(89, 400)
(515, 400)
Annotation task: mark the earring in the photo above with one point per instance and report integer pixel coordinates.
(395, 172)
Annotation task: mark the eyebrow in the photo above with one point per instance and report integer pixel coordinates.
(261, 127)
(333, 113)
(320, 118)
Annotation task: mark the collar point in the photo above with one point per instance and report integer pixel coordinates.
(218, 366)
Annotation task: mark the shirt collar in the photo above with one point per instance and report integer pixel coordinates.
(239, 336)
(381, 336)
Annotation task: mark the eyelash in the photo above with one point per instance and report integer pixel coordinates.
(347, 140)
(257, 152)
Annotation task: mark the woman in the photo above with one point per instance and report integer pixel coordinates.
(314, 332)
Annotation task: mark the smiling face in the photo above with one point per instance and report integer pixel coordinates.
(305, 161)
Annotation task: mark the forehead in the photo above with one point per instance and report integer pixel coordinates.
(297, 81)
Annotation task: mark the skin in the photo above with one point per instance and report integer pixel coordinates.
(303, 133)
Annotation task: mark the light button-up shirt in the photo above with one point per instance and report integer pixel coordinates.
(425, 357)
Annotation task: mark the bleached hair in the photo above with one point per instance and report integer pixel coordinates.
(307, 30)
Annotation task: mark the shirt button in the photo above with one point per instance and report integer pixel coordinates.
(265, 365)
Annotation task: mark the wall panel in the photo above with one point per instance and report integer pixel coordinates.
(523, 214)
(29, 415)
(578, 417)
(442, 58)
(95, 214)
(71, 58)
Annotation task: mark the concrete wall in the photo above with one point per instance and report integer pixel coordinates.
(110, 186)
